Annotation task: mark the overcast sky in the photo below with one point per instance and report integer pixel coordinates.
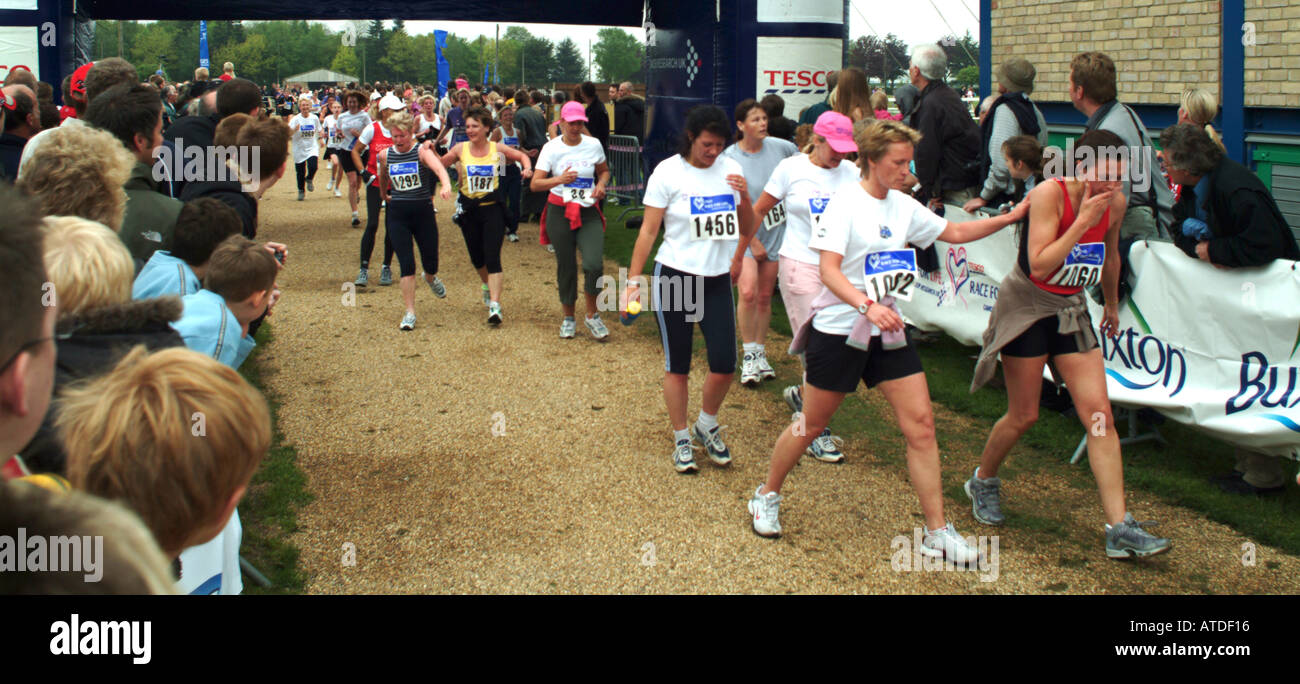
(921, 23)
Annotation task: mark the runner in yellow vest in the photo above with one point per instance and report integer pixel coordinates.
(480, 209)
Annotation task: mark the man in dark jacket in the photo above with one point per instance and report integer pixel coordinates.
(236, 96)
(629, 114)
(948, 156)
(1225, 216)
(531, 127)
(133, 114)
(21, 122)
(597, 117)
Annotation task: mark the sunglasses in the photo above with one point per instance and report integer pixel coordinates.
(24, 348)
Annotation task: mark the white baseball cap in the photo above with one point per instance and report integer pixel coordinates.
(374, 95)
(391, 101)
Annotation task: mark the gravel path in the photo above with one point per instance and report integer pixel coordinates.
(573, 491)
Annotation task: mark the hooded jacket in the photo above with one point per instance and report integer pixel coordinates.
(150, 217)
(90, 343)
(629, 117)
(948, 156)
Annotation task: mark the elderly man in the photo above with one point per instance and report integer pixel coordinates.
(629, 113)
(948, 156)
(1226, 217)
(1150, 202)
(1009, 115)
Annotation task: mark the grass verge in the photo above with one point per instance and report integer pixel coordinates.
(269, 511)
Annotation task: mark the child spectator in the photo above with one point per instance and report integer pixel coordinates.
(173, 435)
(243, 186)
(98, 322)
(202, 225)
(239, 287)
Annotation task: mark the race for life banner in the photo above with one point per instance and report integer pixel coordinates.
(18, 47)
(1209, 347)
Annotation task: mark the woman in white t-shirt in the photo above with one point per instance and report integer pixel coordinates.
(799, 188)
(306, 130)
(702, 203)
(855, 332)
(571, 218)
(334, 147)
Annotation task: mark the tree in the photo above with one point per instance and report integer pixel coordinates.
(152, 46)
(463, 57)
(968, 77)
(618, 56)
(569, 65)
(402, 59)
(253, 59)
(961, 53)
(346, 62)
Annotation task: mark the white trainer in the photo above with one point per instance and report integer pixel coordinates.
(749, 370)
(568, 328)
(945, 542)
(765, 509)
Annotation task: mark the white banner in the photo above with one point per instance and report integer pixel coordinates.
(18, 47)
(18, 5)
(819, 11)
(1209, 347)
(796, 69)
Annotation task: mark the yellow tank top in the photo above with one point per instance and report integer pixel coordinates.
(478, 175)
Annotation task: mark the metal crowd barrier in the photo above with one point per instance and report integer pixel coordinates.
(628, 174)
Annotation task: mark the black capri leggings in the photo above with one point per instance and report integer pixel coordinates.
(682, 299)
(484, 228)
(305, 171)
(407, 219)
(373, 200)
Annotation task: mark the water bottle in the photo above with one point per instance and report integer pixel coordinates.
(630, 315)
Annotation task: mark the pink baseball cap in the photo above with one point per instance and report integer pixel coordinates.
(838, 131)
(573, 111)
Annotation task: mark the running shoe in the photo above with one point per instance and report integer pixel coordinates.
(794, 398)
(512, 237)
(749, 371)
(386, 275)
(946, 543)
(568, 328)
(310, 187)
(487, 296)
(550, 248)
(986, 499)
(338, 193)
(301, 195)
(684, 457)
(356, 219)
(826, 447)
(718, 452)
(766, 509)
(330, 185)
(1128, 539)
(363, 279)
(597, 328)
(765, 371)
(494, 314)
(408, 321)
(439, 290)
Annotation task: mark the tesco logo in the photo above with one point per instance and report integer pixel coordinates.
(795, 78)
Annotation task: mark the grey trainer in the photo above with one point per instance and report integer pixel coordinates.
(1128, 539)
(985, 497)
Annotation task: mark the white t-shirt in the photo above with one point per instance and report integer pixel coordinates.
(304, 139)
(856, 225)
(805, 188)
(426, 124)
(347, 120)
(333, 134)
(701, 223)
(213, 567)
(557, 157)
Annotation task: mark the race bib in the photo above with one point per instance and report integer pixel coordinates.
(481, 177)
(307, 131)
(510, 141)
(458, 135)
(775, 216)
(891, 272)
(579, 190)
(1082, 267)
(817, 205)
(405, 175)
(713, 217)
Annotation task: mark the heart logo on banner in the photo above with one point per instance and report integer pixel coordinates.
(958, 273)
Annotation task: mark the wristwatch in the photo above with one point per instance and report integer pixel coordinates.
(863, 307)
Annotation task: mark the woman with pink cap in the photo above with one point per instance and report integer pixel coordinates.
(854, 332)
(571, 218)
(799, 188)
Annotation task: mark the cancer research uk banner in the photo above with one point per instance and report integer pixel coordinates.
(1209, 347)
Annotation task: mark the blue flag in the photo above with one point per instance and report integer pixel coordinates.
(485, 73)
(203, 44)
(444, 67)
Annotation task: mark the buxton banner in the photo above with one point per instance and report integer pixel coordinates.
(1209, 347)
